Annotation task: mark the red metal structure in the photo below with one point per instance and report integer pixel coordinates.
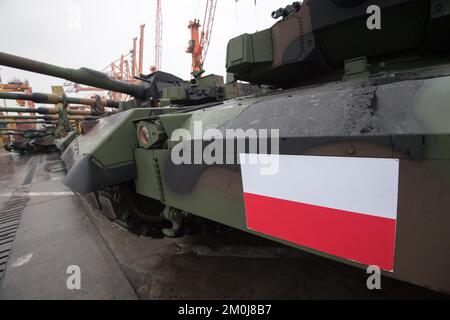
(199, 43)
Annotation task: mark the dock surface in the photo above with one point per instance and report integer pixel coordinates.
(54, 233)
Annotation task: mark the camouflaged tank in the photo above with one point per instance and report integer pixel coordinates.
(32, 140)
(68, 120)
(355, 142)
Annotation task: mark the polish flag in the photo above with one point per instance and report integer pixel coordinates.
(346, 207)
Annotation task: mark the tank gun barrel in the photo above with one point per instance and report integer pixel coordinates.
(10, 121)
(51, 111)
(29, 135)
(23, 130)
(48, 117)
(10, 133)
(84, 76)
(46, 98)
(30, 110)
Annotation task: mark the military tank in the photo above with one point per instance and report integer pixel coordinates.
(157, 89)
(97, 104)
(349, 159)
(8, 124)
(66, 119)
(47, 140)
(65, 115)
(33, 140)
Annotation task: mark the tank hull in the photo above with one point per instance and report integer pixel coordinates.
(402, 118)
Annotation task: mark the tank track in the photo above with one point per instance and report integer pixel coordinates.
(148, 217)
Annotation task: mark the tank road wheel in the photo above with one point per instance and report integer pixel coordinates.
(148, 217)
(138, 214)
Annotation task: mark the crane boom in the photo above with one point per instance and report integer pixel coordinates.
(199, 43)
(141, 51)
(158, 38)
(210, 13)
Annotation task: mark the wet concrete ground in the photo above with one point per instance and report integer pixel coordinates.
(55, 233)
(59, 229)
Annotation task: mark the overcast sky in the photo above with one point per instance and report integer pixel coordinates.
(93, 33)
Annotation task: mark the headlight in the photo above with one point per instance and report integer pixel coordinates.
(150, 134)
(144, 136)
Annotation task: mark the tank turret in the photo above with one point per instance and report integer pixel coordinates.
(157, 89)
(333, 38)
(147, 93)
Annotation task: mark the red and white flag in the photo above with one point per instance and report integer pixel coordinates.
(342, 206)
